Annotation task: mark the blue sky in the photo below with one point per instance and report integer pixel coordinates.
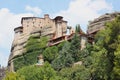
(74, 11)
(48, 6)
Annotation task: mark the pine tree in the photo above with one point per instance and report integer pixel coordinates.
(75, 47)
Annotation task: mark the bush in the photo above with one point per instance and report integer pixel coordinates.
(13, 76)
(45, 72)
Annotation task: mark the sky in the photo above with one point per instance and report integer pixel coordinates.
(73, 11)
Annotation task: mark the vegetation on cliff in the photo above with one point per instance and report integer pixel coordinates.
(34, 47)
(100, 61)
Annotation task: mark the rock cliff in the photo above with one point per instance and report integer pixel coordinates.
(99, 23)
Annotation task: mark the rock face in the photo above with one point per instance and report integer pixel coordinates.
(99, 23)
(52, 28)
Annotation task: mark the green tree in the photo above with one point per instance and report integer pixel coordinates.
(50, 53)
(86, 56)
(77, 72)
(32, 45)
(43, 42)
(45, 72)
(75, 47)
(60, 46)
(116, 69)
(13, 76)
(78, 29)
(64, 59)
(33, 49)
(105, 52)
(36, 44)
(115, 26)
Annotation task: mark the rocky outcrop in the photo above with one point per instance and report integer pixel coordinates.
(99, 23)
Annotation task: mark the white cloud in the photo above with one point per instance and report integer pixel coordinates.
(34, 10)
(81, 11)
(8, 21)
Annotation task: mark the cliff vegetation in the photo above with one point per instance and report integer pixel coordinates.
(100, 61)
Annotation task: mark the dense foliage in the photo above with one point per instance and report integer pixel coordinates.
(34, 47)
(50, 53)
(75, 73)
(106, 52)
(13, 76)
(64, 59)
(33, 72)
(75, 47)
